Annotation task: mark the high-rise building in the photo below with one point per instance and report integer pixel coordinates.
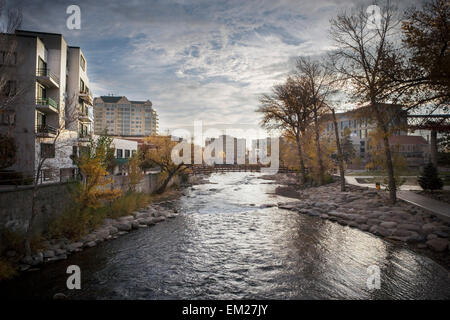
(119, 116)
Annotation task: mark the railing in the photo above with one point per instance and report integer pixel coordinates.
(45, 72)
(47, 102)
(45, 128)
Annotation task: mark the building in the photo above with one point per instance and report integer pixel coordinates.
(54, 99)
(414, 149)
(119, 116)
(123, 151)
(227, 149)
(359, 125)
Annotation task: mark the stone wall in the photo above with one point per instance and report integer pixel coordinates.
(52, 199)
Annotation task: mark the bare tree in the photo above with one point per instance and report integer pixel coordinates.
(61, 141)
(288, 109)
(362, 48)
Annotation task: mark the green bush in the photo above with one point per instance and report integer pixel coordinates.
(429, 180)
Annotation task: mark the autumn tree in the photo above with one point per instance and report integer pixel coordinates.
(361, 50)
(93, 164)
(287, 109)
(135, 173)
(160, 155)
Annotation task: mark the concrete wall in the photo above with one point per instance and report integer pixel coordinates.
(52, 199)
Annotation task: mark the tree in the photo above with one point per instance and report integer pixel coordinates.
(288, 109)
(423, 77)
(318, 79)
(160, 155)
(348, 150)
(359, 60)
(135, 173)
(429, 180)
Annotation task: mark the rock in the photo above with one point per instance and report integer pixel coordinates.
(409, 226)
(428, 228)
(27, 260)
(24, 267)
(59, 296)
(121, 233)
(324, 216)
(91, 244)
(123, 226)
(126, 218)
(384, 232)
(49, 254)
(143, 226)
(361, 220)
(313, 213)
(60, 251)
(148, 221)
(441, 234)
(139, 215)
(364, 227)
(113, 230)
(431, 236)
(38, 259)
(159, 219)
(438, 244)
(372, 222)
(74, 246)
(388, 225)
(88, 238)
(134, 224)
(421, 246)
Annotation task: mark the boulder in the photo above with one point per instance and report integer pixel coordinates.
(438, 244)
(123, 226)
(388, 225)
(49, 253)
(409, 226)
(428, 228)
(431, 236)
(134, 224)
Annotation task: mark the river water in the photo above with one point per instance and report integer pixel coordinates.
(226, 245)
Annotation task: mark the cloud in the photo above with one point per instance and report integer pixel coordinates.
(207, 60)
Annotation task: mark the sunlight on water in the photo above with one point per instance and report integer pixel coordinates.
(228, 245)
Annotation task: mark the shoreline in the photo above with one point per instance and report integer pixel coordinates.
(369, 211)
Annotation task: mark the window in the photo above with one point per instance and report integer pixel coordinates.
(127, 153)
(119, 153)
(81, 85)
(47, 150)
(82, 63)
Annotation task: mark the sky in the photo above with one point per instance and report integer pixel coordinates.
(201, 60)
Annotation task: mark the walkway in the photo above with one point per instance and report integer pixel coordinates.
(438, 208)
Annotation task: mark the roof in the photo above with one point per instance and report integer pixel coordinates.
(402, 139)
(109, 99)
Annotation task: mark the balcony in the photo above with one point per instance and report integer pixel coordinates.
(44, 130)
(47, 78)
(47, 105)
(84, 135)
(86, 114)
(85, 95)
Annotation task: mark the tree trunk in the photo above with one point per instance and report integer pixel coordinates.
(300, 156)
(387, 154)
(319, 152)
(163, 187)
(339, 152)
(433, 147)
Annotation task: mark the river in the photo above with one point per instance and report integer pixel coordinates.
(226, 244)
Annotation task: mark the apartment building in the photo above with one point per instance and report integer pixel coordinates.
(119, 116)
(226, 150)
(54, 100)
(359, 124)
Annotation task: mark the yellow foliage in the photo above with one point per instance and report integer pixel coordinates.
(7, 271)
(94, 187)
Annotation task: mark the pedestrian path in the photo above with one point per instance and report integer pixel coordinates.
(439, 208)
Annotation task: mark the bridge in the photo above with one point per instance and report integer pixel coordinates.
(433, 122)
(234, 168)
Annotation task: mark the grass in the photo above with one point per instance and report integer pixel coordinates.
(7, 270)
(75, 222)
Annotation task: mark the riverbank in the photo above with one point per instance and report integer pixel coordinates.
(56, 249)
(370, 211)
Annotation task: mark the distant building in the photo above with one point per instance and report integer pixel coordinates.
(122, 117)
(227, 149)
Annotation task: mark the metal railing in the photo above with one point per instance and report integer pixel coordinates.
(47, 102)
(46, 129)
(45, 72)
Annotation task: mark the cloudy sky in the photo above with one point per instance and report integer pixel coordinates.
(195, 60)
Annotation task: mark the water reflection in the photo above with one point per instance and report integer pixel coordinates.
(226, 246)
